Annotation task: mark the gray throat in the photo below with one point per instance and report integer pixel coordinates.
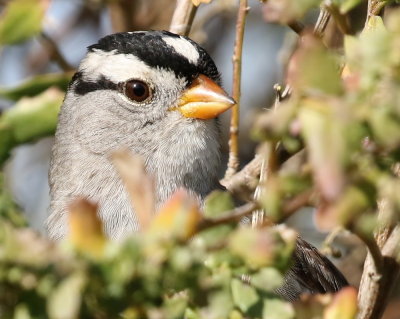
(178, 152)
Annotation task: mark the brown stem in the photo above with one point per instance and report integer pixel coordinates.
(183, 16)
(243, 183)
(327, 245)
(233, 162)
(55, 53)
(121, 15)
(296, 26)
(297, 202)
(341, 19)
(377, 280)
(231, 216)
(373, 250)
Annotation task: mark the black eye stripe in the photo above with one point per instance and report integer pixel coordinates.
(82, 87)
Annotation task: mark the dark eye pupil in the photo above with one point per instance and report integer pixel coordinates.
(137, 90)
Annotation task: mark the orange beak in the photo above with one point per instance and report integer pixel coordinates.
(204, 99)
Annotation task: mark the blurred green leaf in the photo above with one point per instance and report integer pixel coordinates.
(346, 5)
(277, 309)
(37, 85)
(261, 247)
(286, 11)
(353, 202)
(303, 75)
(20, 20)
(326, 141)
(8, 209)
(385, 126)
(267, 279)
(217, 203)
(176, 305)
(273, 124)
(65, 301)
(29, 119)
(244, 296)
(221, 304)
(22, 312)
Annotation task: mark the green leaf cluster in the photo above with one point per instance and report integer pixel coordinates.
(145, 276)
(346, 114)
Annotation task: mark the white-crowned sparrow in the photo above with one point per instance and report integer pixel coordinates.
(144, 91)
(157, 94)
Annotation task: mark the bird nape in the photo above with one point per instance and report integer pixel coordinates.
(157, 94)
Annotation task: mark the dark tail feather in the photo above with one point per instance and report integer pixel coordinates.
(310, 273)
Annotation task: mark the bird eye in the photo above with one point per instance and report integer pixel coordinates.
(136, 90)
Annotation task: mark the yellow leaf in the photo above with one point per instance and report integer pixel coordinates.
(179, 217)
(138, 184)
(85, 228)
(343, 305)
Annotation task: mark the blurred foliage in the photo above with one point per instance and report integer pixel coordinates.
(37, 85)
(185, 264)
(8, 209)
(349, 125)
(29, 119)
(151, 274)
(20, 20)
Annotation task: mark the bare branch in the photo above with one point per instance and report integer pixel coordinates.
(299, 201)
(233, 162)
(55, 53)
(296, 26)
(183, 17)
(341, 19)
(234, 215)
(243, 183)
(373, 250)
(378, 282)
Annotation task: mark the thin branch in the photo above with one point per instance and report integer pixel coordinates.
(233, 215)
(243, 183)
(327, 247)
(55, 53)
(296, 26)
(341, 19)
(377, 282)
(299, 201)
(233, 162)
(270, 161)
(183, 16)
(373, 250)
(322, 22)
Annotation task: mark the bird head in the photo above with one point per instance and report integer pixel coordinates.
(154, 93)
(151, 74)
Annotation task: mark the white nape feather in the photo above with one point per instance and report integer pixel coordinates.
(183, 47)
